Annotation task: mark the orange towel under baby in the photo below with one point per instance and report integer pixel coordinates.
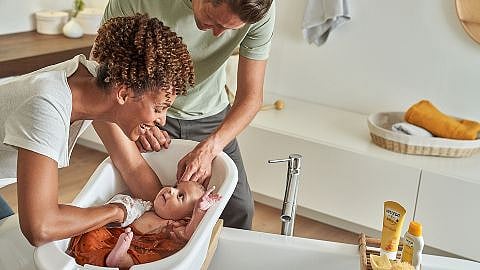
(93, 247)
(425, 115)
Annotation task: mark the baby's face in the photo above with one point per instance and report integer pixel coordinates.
(177, 202)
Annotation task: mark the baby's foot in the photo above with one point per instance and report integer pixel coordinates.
(119, 252)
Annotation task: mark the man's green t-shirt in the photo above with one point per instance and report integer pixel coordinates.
(209, 53)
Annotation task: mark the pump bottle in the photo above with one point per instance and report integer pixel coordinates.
(413, 245)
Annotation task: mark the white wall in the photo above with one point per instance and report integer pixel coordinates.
(18, 15)
(390, 55)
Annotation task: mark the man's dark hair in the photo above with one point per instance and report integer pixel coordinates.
(249, 11)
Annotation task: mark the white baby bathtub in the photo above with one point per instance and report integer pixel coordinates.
(106, 182)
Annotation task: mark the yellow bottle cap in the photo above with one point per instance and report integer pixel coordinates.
(415, 228)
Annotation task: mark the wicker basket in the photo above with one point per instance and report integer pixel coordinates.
(367, 246)
(380, 130)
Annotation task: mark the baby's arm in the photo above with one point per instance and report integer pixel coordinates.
(201, 207)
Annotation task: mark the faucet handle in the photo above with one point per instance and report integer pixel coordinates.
(293, 160)
(279, 160)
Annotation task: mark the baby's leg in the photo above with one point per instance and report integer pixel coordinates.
(119, 257)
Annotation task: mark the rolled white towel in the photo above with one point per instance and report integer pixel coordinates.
(409, 129)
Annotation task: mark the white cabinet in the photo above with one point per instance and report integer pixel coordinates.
(448, 208)
(336, 182)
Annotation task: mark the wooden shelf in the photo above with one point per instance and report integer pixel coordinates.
(25, 52)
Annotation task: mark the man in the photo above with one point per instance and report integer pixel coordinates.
(212, 29)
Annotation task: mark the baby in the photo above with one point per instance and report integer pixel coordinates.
(156, 234)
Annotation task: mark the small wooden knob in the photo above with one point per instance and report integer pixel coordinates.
(277, 105)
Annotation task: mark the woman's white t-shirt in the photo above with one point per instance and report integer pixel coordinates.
(35, 111)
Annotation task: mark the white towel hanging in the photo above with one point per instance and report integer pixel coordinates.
(322, 17)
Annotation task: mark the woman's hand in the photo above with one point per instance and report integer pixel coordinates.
(154, 139)
(134, 207)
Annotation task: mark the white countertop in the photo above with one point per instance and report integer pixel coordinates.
(349, 131)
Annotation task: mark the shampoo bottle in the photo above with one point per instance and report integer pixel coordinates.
(413, 245)
(393, 217)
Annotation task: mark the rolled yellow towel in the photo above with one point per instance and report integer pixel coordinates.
(425, 115)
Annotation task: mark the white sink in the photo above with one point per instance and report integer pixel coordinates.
(239, 249)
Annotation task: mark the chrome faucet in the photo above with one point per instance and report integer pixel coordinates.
(291, 189)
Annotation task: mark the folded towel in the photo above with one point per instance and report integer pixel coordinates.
(323, 16)
(425, 115)
(410, 129)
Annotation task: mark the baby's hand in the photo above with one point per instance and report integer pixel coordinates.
(208, 199)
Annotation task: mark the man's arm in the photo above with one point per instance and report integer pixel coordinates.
(196, 165)
(141, 180)
(42, 218)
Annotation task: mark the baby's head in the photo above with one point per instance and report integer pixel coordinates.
(178, 202)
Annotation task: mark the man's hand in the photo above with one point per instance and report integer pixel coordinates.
(154, 139)
(197, 165)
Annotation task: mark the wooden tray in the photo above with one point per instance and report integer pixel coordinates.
(369, 246)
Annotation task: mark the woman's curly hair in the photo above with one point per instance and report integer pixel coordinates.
(143, 55)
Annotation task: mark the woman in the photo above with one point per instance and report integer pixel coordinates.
(141, 68)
